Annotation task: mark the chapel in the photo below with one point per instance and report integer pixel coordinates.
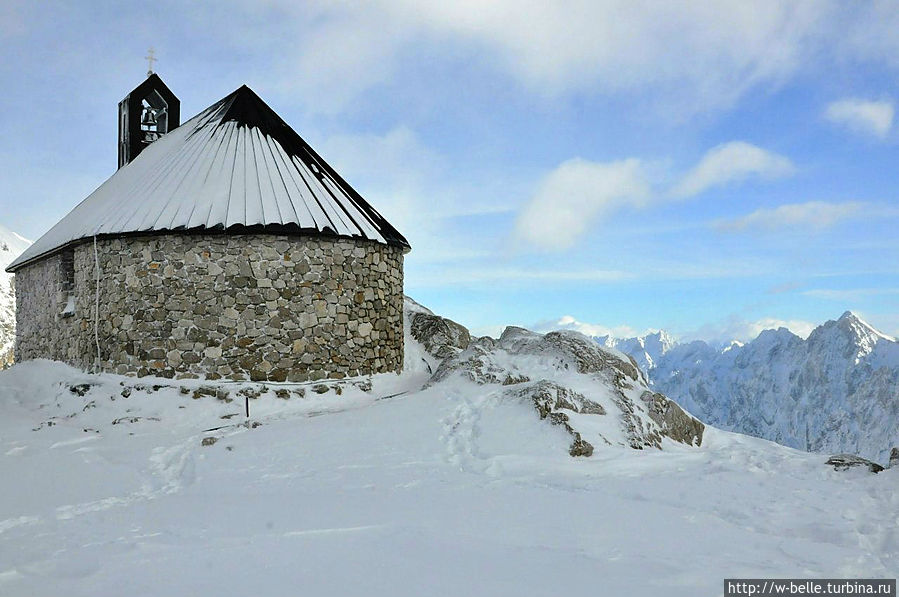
(223, 247)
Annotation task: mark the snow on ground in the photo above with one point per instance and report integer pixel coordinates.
(397, 491)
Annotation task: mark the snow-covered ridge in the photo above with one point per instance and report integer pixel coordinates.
(11, 246)
(835, 391)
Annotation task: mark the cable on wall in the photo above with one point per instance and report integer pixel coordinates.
(97, 305)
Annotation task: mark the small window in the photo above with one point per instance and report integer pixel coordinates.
(66, 282)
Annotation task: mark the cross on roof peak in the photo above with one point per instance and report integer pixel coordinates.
(150, 58)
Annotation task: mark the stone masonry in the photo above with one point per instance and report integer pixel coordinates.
(245, 307)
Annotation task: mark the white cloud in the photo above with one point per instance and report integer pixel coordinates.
(691, 56)
(718, 50)
(869, 117)
(742, 330)
(732, 328)
(817, 215)
(732, 162)
(576, 194)
(567, 322)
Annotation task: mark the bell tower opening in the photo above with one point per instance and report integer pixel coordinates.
(147, 113)
(153, 117)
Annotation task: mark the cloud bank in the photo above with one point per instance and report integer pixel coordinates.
(815, 215)
(861, 116)
(574, 195)
(578, 193)
(732, 162)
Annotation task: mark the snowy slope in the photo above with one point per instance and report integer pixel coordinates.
(384, 487)
(836, 391)
(11, 246)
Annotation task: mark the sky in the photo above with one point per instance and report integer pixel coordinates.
(711, 169)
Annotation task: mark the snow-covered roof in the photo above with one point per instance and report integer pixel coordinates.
(234, 166)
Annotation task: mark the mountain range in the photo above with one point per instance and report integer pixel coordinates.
(11, 245)
(835, 391)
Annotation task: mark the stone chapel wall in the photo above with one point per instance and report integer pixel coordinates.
(255, 307)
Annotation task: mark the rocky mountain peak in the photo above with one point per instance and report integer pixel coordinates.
(835, 391)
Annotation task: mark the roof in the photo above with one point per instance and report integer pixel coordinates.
(235, 165)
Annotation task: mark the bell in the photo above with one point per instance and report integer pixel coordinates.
(148, 118)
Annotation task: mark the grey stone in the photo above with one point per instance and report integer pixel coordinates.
(843, 462)
(202, 305)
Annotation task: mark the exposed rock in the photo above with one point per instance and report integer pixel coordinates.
(550, 399)
(440, 336)
(579, 447)
(673, 420)
(80, 389)
(208, 441)
(606, 382)
(121, 420)
(843, 462)
(894, 458)
(475, 362)
(512, 380)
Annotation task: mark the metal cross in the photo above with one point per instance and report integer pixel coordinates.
(150, 58)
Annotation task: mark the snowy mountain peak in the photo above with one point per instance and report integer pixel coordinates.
(851, 337)
(659, 342)
(11, 246)
(835, 391)
(646, 350)
(780, 336)
(861, 328)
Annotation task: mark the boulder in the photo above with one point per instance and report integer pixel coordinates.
(440, 336)
(843, 462)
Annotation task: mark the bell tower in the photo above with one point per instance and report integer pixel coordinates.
(148, 112)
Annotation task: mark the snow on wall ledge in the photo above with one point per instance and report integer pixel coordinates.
(260, 307)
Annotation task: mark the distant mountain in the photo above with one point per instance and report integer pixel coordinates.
(836, 391)
(11, 245)
(647, 350)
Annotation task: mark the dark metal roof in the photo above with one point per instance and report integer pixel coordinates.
(235, 166)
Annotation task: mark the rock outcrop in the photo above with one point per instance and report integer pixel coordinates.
(440, 336)
(844, 462)
(598, 395)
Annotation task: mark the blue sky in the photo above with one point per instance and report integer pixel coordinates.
(711, 169)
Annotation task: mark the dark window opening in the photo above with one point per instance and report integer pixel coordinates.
(66, 282)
